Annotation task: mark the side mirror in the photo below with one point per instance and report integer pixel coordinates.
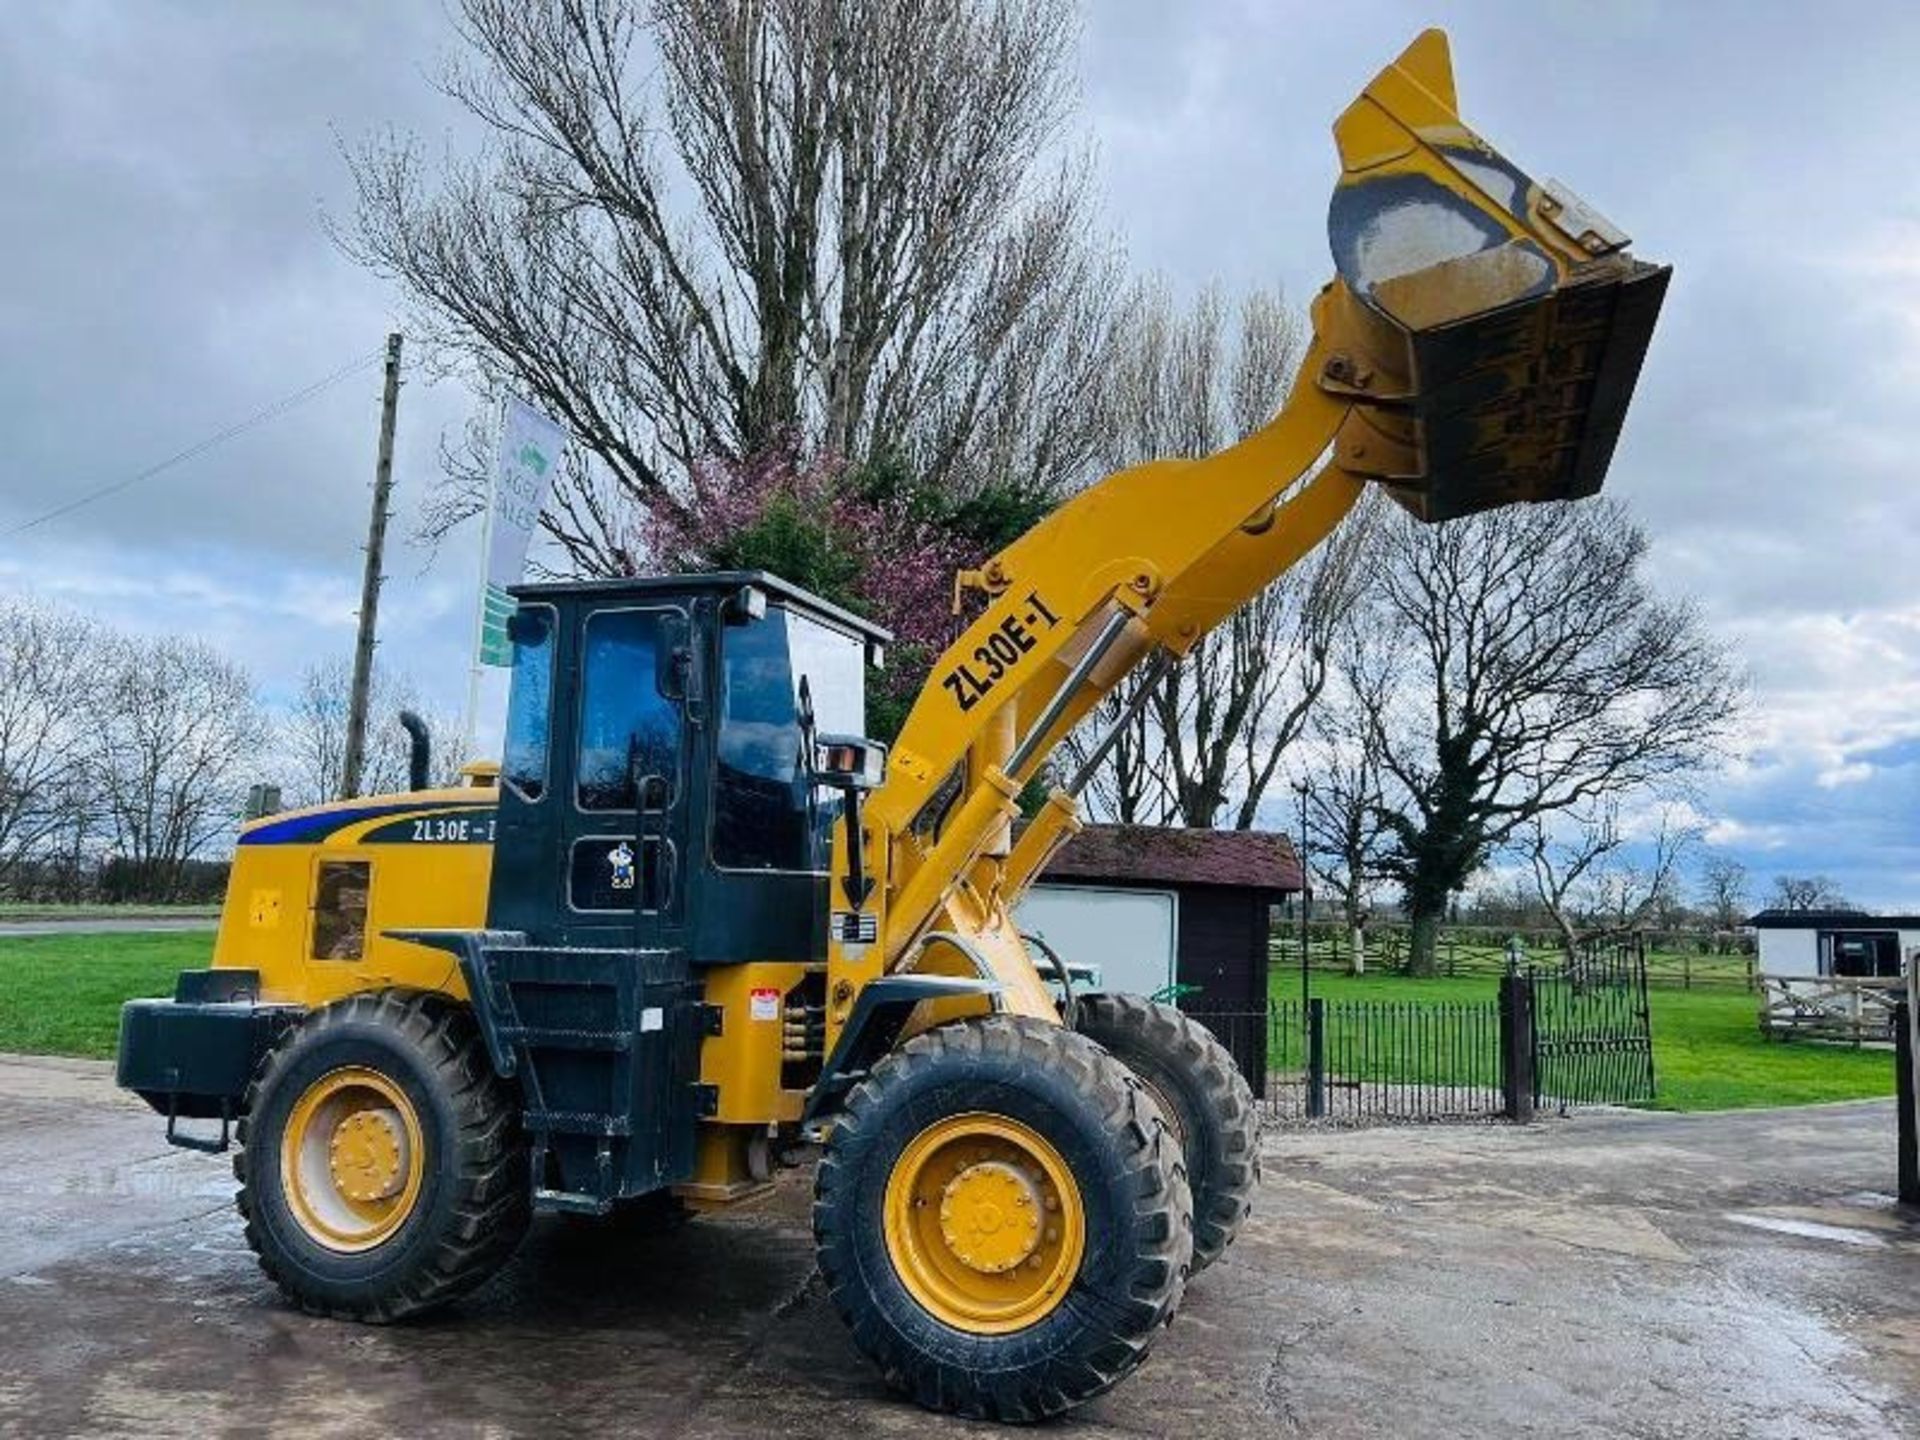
(848, 762)
(744, 606)
(853, 765)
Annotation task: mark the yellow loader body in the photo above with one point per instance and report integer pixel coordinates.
(319, 899)
(315, 894)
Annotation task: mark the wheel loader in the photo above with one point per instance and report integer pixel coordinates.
(694, 921)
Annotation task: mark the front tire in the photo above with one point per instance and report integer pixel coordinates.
(382, 1169)
(1002, 1222)
(1203, 1094)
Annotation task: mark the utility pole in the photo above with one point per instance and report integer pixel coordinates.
(356, 754)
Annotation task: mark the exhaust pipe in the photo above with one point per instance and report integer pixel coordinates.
(420, 750)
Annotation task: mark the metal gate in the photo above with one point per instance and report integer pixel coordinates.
(1556, 1037)
(1592, 1031)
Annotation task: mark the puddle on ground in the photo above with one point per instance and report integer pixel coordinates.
(1811, 1230)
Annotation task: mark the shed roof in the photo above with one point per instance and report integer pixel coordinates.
(1831, 920)
(1165, 855)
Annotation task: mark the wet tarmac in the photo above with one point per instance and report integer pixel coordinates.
(1631, 1275)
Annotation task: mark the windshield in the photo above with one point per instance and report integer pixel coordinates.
(764, 816)
(523, 758)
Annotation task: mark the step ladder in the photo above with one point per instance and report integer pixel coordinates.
(605, 1045)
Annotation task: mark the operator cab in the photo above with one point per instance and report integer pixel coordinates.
(657, 786)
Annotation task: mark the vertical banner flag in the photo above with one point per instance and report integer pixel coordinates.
(523, 467)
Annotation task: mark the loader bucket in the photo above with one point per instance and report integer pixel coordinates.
(1491, 326)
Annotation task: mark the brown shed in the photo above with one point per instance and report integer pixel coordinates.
(1156, 907)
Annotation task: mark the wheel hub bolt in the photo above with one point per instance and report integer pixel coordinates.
(364, 1156)
(988, 1217)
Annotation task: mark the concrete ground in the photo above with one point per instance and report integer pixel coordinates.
(1627, 1274)
(106, 925)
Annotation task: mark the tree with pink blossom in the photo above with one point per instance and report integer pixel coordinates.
(867, 537)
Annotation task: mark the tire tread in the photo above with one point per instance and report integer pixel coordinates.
(1226, 1175)
(1119, 1328)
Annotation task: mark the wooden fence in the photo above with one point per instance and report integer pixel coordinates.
(1829, 1007)
(1686, 962)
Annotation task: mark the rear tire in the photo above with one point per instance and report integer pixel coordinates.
(1204, 1095)
(1003, 1223)
(382, 1168)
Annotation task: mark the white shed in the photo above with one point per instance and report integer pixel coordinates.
(1129, 937)
(1156, 907)
(1835, 942)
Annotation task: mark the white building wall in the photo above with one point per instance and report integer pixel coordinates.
(1797, 952)
(1788, 952)
(1129, 934)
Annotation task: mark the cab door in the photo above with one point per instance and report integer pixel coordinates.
(624, 826)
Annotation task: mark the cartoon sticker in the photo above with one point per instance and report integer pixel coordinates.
(621, 859)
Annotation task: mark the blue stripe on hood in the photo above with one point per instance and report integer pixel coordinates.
(305, 829)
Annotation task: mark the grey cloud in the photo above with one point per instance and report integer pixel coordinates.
(170, 164)
(165, 166)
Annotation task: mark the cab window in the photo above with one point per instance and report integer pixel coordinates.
(629, 730)
(763, 816)
(523, 758)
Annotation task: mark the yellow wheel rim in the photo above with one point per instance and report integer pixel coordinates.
(351, 1159)
(984, 1223)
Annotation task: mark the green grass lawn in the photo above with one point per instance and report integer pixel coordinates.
(1443, 1032)
(1708, 1053)
(61, 994)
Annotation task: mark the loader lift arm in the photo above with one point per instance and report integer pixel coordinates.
(1478, 347)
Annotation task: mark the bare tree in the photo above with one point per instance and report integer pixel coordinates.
(706, 228)
(1518, 666)
(1561, 859)
(313, 734)
(1723, 895)
(1636, 888)
(1807, 892)
(48, 659)
(64, 864)
(1129, 785)
(1347, 836)
(1590, 876)
(1242, 698)
(175, 728)
(1208, 742)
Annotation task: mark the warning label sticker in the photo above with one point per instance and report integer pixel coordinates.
(763, 1004)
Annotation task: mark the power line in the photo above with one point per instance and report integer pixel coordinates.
(258, 418)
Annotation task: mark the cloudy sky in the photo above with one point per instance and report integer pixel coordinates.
(167, 169)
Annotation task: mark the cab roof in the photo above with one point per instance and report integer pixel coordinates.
(619, 586)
